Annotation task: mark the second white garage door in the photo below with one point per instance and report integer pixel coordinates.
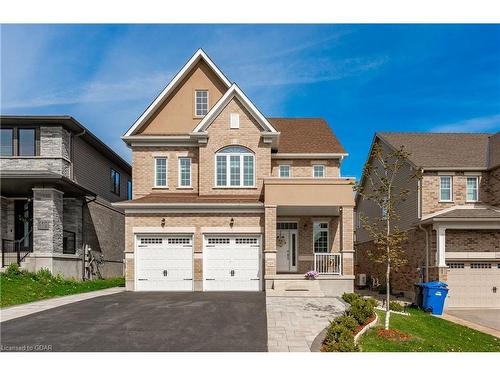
(473, 285)
(231, 263)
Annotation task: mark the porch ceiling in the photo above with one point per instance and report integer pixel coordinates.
(307, 211)
(20, 184)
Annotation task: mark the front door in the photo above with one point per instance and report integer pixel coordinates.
(286, 247)
(23, 212)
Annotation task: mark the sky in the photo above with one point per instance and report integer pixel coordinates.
(360, 78)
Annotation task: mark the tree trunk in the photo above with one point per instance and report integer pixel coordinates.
(387, 295)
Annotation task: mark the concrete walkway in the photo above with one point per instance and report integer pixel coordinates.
(294, 322)
(18, 311)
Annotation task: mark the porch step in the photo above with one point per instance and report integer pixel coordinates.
(295, 288)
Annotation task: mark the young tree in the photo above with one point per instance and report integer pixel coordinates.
(380, 187)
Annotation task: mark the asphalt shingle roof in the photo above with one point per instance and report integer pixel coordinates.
(471, 213)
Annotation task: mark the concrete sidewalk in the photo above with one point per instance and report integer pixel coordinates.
(466, 323)
(18, 311)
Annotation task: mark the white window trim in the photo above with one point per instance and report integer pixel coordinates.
(166, 173)
(228, 170)
(179, 182)
(477, 188)
(208, 103)
(322, 230)
(319, 165)
(236, 124)
(289, 170)
(451, 189)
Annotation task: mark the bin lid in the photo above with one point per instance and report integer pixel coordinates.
(434, 284)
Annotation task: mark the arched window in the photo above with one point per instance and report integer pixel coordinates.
(234, 167)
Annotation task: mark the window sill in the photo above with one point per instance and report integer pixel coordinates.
(184, 188)
(160, 187)
(446, 201)
(233, 187)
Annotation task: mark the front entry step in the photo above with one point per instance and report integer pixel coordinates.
(295, 288)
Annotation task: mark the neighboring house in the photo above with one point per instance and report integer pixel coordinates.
(57, 184)
(227, 199)
(452, 216)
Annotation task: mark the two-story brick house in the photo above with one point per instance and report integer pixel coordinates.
(58, 181)
(227, 199)
(452, 216)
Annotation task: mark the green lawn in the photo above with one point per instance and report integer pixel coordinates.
(21, 287)
(428, 334)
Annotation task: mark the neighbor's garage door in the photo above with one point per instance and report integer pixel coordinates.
(474, 285)
(164, 263)
(231, 263)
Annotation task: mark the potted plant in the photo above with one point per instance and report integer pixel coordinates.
(311, 275)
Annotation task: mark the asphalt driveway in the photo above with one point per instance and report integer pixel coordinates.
(145, 321)
(485, 317)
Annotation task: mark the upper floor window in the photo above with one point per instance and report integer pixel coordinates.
(445, 188)
(185, 172)
(234, 167)
(115, 182)
(234, 121)
(6, 142)
(161, 172)
(129, 189)
(285, 170)
(26, 142)
(201, 103)
(320, 237)
(472, 188)
(318, 171)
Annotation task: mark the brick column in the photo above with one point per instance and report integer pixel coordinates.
(347, 248)
(270, 242)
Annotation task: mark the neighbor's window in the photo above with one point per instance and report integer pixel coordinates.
(160, 172)
(6, 142)
(284, 170)
(115, 182)
(129, 189)
(234, 167)
(201, 102)
(185, 172)
(472, 184)
(318, 170)
(445, 186)
(320, 237)
(26, 142)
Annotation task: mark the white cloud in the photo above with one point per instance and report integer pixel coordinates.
(477, 124)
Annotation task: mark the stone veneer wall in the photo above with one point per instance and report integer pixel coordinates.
(7, 219)
(48, 220)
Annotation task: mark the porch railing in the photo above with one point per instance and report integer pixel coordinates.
(14, 251)
(327, 263)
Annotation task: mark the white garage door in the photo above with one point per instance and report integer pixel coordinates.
(164, 263)
(474, 284)
(231, 263)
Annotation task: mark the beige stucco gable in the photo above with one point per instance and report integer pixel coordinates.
(176, 114)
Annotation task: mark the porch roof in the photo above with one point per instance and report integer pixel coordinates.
(158, 199)
(20, 183)
(481, 213)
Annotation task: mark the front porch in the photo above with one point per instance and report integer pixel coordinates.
(311, 231)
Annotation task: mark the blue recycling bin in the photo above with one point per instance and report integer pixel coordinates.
(434, 295)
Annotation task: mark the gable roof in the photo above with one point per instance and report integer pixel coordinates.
(442, 150)
(234, 91)
(296, 136)
(494, 151)
(186, 69)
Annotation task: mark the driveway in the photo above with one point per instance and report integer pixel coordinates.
(486, 317)
(145, 321)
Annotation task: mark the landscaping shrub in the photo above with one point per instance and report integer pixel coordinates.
(394, 306)
(362, 309)
(347, 321)
(344, 343)
(13, 270)
(350, 297)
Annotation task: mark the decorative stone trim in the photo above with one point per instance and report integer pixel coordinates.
(365, 328)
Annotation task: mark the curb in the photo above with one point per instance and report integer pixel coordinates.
(365, 328)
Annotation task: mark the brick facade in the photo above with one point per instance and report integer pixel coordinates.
(472, 240)
(304, 167)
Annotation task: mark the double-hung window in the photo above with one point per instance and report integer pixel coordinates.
(472, 188)
(320, 237)
(318, 171)
(6, 142)
(161, 172)
(445, 189)
(185, 172)
(284, 170)
(234, 167)
(115, 181)
(201, 103)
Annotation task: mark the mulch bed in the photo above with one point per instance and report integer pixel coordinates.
(358, 329)
(393, 334)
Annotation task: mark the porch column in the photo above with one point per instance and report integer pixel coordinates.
(270, 240)
(347, 248)
(47, 226)
(441, 245)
